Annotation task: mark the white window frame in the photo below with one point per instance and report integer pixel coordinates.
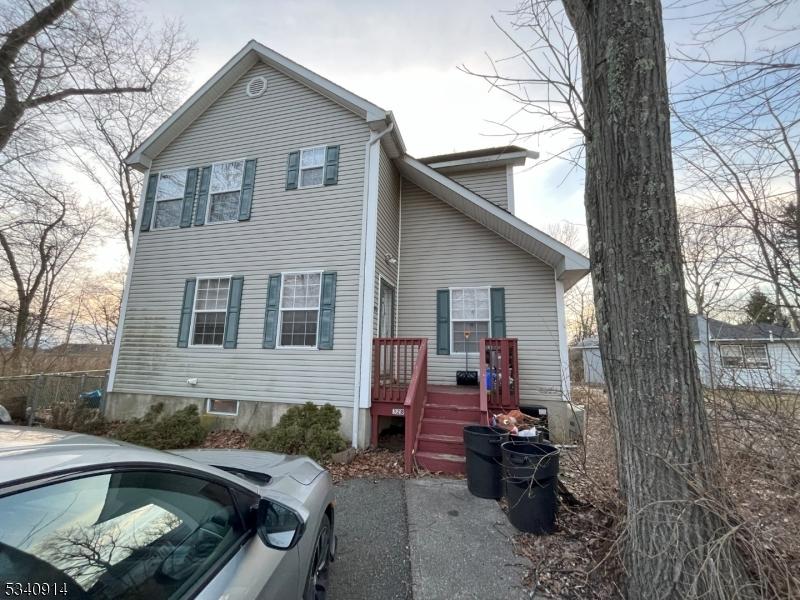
(278, 343)
(748, 365)
(300, 167)
(452, 320)
(210, 192)
(219, 412)
(156, 200)
(198, 279)
(722, 358)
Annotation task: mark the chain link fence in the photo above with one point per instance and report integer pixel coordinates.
(30, 398)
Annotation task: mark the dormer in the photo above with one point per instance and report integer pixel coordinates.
(488, 172)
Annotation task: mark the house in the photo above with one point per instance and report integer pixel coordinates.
(289, 250)
(756, 356)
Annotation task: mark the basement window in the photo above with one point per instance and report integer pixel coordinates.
(228, 408)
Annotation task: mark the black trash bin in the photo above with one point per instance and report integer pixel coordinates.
(538, 438)
(530, 471)
(484, 460)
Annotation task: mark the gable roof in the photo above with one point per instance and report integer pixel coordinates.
(376, 117)
(483, 158)
(570, 266)
(722, 331)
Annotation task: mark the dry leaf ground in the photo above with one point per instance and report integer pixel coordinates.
(759, 446)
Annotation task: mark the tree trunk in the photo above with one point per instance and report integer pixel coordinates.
(665, 456)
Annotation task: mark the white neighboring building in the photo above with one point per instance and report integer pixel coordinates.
(757, 356)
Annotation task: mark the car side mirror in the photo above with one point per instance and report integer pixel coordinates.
(278, 526)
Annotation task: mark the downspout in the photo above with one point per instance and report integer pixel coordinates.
(399, 244)
(367, 279)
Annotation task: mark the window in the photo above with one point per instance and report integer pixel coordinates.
(750, 356)
(312, 166)
(222, 407)
(225, 191)
(755, 356)
(210, 306)
(731, 355)
(143, 534)
(169, 199)
(470, 314)
(299, 309)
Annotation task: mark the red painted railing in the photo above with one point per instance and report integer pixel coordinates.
(400, 386)
(393, 361)
(499, 366)
(415, 405)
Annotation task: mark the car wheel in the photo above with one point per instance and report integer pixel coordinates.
(317, 580)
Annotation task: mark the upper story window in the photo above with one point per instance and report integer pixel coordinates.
(312, 166)
(470, 313)
(169, 199)
(210, 307)
(300, 294)
(225, 191)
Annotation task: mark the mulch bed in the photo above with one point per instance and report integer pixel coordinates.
(227, 438)
(377, 463)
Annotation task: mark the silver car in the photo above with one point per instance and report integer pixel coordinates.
(87, 517)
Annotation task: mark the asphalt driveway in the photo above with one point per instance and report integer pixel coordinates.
(426, 539)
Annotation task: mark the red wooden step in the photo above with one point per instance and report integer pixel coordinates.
(454, 396)
(444, 426)
(445, 444)
(441, 462)
(456, 413)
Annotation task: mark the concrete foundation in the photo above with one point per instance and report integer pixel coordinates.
(566, 420)
(252, 418)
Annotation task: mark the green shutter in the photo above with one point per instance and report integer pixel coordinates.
(247, 190)
(188, 197)
(202, 196)
(186, 313)
(498, 300)
(292, 170)
(271, 316)
(234, 308)
(149, 200)
(331, 165)
(327, 306)
(442, 321)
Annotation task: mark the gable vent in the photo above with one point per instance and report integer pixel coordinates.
(257, 86)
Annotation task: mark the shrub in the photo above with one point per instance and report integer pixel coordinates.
(182, 429)
(308, 429)
(77, 416)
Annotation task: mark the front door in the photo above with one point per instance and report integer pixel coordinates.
(386, 311)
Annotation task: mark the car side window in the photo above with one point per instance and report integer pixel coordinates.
(133, 534)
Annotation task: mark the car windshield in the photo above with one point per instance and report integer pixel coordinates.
(121, 535)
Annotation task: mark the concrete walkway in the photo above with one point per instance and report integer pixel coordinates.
(427, 539)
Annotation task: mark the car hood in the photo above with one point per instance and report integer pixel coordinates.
(300, 468)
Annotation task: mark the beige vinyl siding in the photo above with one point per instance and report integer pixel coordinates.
(296, 230)
(442, 248)
(491, 184)
(388, 230)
